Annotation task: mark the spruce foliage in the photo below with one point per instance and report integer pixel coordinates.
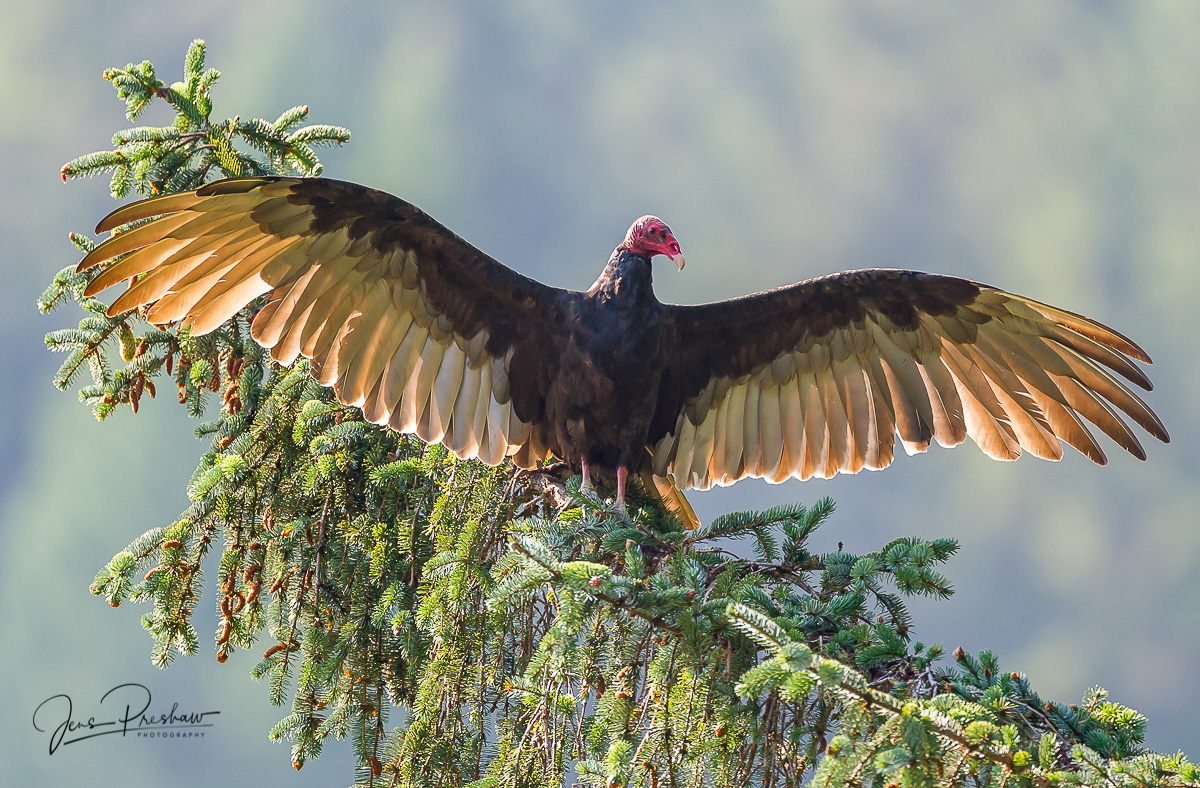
(466, 625)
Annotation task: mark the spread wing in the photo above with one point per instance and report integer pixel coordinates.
(399, 316)
(819, 377)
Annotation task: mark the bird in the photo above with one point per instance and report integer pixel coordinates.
(428, 335)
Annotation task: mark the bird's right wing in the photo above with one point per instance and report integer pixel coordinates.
(820, 377)
(400, 316)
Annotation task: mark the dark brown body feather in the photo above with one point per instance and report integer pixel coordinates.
(602, 396)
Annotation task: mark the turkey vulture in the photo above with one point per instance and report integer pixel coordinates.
(428, 335)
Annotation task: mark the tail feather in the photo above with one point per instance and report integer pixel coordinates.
(665, 489)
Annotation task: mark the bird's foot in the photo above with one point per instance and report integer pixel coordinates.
(585, 485)
(622, 474)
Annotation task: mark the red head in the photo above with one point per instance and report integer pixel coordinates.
(649, 236)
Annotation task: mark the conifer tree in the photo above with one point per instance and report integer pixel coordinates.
(473, 626)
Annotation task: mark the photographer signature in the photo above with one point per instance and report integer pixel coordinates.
(59, 711)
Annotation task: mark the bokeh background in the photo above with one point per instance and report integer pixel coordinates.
(1052, 149)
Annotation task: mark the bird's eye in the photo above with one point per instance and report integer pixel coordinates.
(653, 231)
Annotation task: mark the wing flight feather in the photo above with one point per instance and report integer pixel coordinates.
(396, 313)
(842, 366)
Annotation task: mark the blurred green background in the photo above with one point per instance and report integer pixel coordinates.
(1052, 149)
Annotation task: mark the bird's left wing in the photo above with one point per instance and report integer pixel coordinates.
(819, 377)
(400, 316)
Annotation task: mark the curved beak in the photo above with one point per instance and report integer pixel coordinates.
(672, 251)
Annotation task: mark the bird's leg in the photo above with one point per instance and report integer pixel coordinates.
(586, 484)
(622, 473)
